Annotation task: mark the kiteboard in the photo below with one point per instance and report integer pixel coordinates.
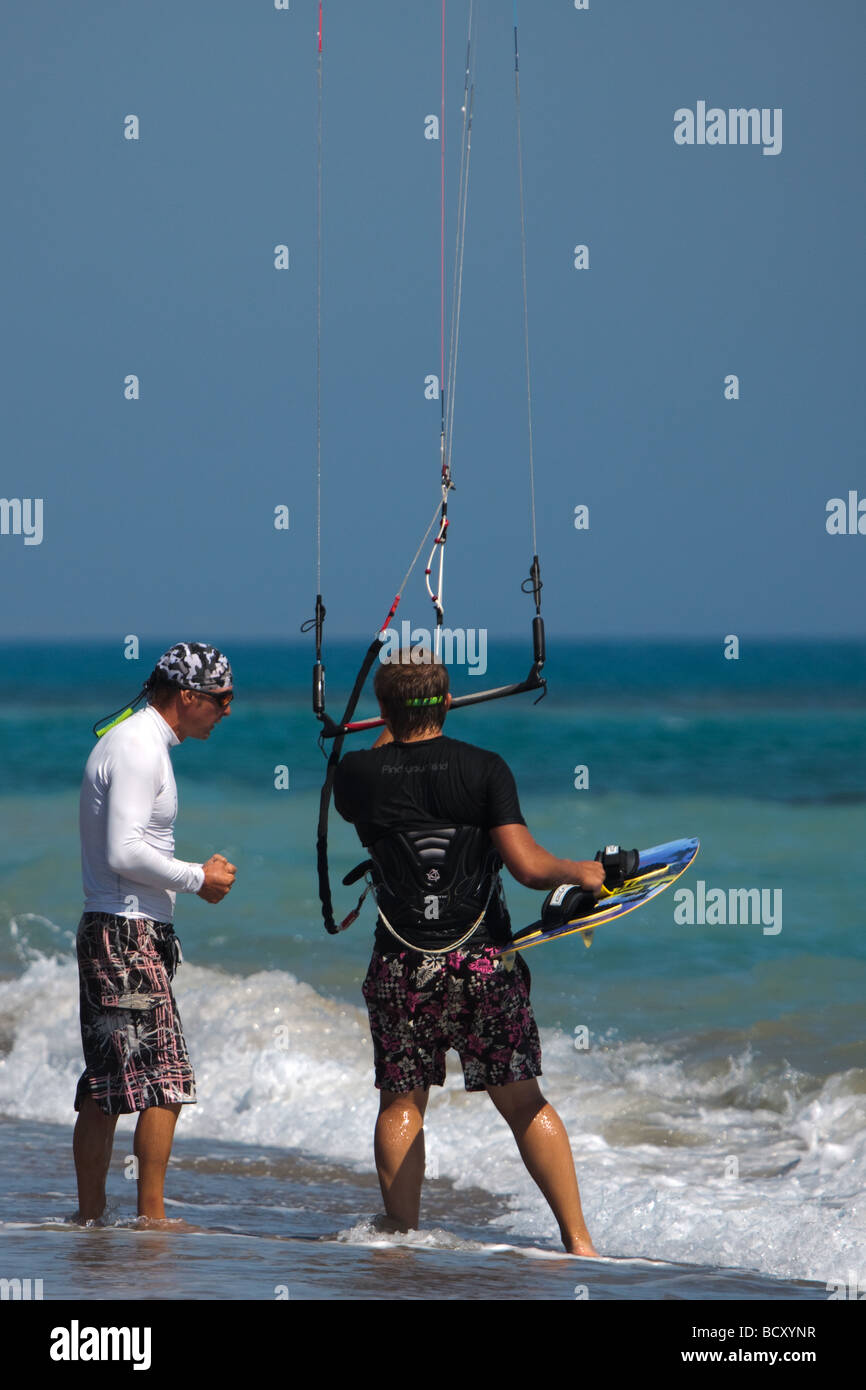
(633, 879)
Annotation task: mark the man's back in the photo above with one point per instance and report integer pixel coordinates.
(437, 783)
(440, 780)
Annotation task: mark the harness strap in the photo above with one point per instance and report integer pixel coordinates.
(453, 946)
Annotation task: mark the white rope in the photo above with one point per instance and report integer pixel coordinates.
(440, 950)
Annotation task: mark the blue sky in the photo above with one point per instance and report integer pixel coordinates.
(155, 257)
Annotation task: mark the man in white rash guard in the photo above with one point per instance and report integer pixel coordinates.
(134, 1049)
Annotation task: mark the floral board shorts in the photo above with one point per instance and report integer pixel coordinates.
(134, 1050)
(420, 1005)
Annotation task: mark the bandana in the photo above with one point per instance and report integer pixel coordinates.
(195, 666)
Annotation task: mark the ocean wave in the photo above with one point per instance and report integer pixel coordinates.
(724, 1162)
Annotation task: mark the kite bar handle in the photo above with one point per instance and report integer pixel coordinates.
(534, 681)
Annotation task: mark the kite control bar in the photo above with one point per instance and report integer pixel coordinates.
(533, 681)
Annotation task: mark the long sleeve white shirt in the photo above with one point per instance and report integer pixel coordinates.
(127, 813)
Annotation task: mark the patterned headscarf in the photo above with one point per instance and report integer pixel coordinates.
(194, 666)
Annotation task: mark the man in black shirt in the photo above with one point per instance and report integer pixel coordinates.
(439, 818)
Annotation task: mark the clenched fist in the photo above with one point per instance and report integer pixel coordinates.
(219, 875)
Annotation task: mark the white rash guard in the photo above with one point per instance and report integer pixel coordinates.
(127, 813)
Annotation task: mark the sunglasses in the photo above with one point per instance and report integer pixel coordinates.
(223, 700)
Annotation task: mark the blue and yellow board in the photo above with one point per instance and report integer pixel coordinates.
(658, 868)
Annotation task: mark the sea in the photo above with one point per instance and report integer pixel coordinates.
(706, 1054)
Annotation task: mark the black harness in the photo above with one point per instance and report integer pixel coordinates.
(435, 880)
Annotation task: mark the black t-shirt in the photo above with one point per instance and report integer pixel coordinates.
(436, 782)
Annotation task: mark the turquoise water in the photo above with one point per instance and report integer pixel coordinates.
(705, 1041)
(766, 766)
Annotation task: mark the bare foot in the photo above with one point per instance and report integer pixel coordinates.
(388, 1225)
(585, 1248)
(165, 1223)
(107, 1217)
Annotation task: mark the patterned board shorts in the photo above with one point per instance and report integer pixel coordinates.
(420, 1005)
(134, 1050)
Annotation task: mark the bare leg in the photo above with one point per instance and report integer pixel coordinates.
(92, 1141)
(544, 1148)
(399, 1150)
(152, 1147)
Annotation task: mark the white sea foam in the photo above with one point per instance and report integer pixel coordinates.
(724, 1165)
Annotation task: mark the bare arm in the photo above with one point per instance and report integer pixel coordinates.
(534, 867)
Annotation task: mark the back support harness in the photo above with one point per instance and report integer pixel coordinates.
(429, 874)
